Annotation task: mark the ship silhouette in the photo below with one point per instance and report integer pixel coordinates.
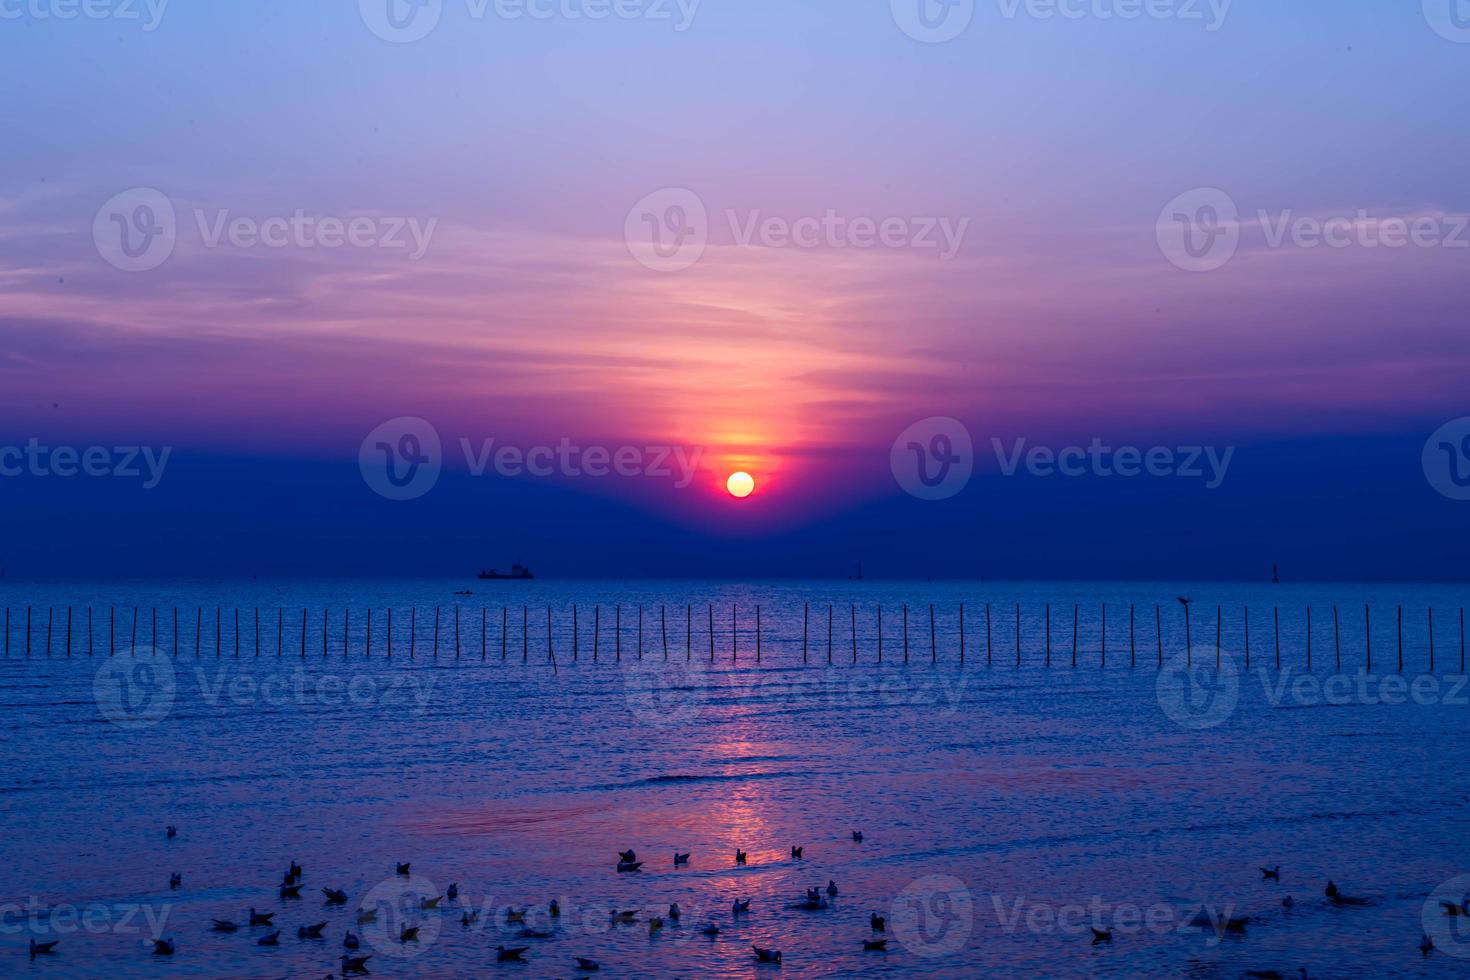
(517, 572)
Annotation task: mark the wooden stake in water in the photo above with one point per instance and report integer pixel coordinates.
(734, 633)
(49, 615)
(576, 640)
(436, 632)
(390, 632)
(1431, 639)
(640, 632)
(303, 633)
(805, 618)
(368, 644)
(28, 632)
(880, 634)
(133, 639)
(1074, 634)
(1159, 632)
(1132, 646)
(504, 630)
(257, 632)
(456, 628)
(68, 632)
(1337, 637)
(933, 648)
(1276, 617)
(853, 610)
(618, 633)
(525, 634)
(1047, 613)
(905, 634)
(989, 661)
(550, 651)
(1018, 634)
(962, 636)
(1309, 637)
(413, 633)
(711, 610)
(1247, 637)
(1105, 634)
(1188, 640)
(325, 611)
(829, 634)
(484, 632)
(688, 632)
(596, 628)
(1401, 639)
(89, 631)
(757, 636)
(1368, 634)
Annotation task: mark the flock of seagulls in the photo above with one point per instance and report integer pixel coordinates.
(816, 899)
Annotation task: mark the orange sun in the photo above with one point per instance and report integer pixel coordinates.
(740, 484)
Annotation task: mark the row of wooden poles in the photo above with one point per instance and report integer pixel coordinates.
(991, 649)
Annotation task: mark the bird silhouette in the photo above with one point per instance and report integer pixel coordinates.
(831, 888)
(350, 941)
(310, 932)
(680, 859)
(796, 853)
(1271, 874)
(739, 906)
(273, 939)
(763, 955)
(554, 909)
(355, 964)
(164, 947)
(1426, 945)
(624, 867)
(171, 831)
(875, 945)
(409, 934)
(1102, 936)
(43, 949)
(290, 891)
(739, 856)
(586, 965)
(505, 954)
(711, 930)
(878, 922)
(857, 835)
(223, 925)
(175, 881)
(674, 912)
(452, 892)
(261, 918)
(335, 896)
(425, 904)
(628, 856)
(364, 916)
(403, 869)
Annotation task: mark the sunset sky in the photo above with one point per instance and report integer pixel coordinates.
(525, 144)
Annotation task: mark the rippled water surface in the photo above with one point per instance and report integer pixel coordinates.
(1005, 809)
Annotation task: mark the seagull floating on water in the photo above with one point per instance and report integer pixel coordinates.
(857, 835)
(1102, 936)
(175, 881)
(364, 916)
(274, 939)
(513, 914)
(469, 918)
(711, 930)
(796, 853)
(1451, 909)
(504, 954)
(164, 947)
(680, 858)
(355, 964)
(674, 912)
(586, 965)
(831, 888)
(877, 921)
(350, 941)
(1288, 902)
(1338, 898)
(403, 868)
(1426, 945)
(425, 904)
(628, 855)
(875, 945)
(654, 924)
(452, 892)
(629, 916)
(335, 896)
(410, 934)
(43, 949)
(1271, 874)
(739, 856)
(290, 891)
(763, 955)
(261, 918)
(310, 932)
(554, 909)
(738, 906)
(625, 867)
(223, 925)
(171, 831)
